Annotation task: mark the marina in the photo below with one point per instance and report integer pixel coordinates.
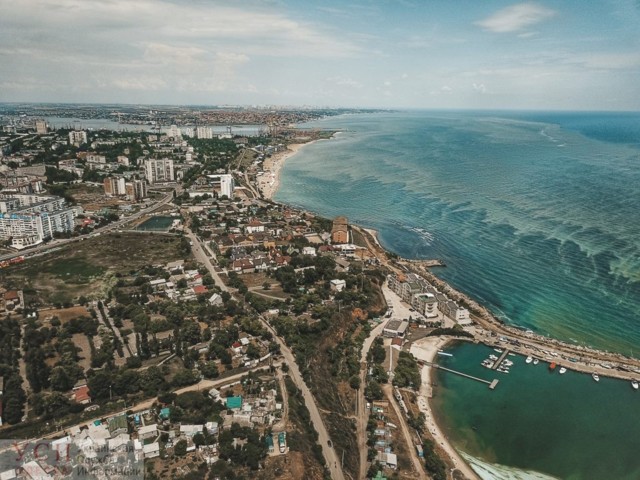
(472, 418)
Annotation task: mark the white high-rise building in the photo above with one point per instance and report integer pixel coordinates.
(136, 190)
(159, 170)
(205, 133)
(189, 132)
(77, 137)
(29, 219)
(227, 185)
(174, 132)
(114, 186)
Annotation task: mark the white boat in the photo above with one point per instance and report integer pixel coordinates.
(497, 350)
(440, 352)
(563, 370)
(535, 361)
(493, 357)
(596, 377)
(529, 359)
(634, 384)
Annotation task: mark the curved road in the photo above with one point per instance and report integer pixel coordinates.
(330, 456)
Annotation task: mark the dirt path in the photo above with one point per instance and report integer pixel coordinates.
(417, 465)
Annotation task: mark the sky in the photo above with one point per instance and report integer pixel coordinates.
(461, 54)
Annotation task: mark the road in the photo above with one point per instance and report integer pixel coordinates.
(146, 404)
(417, 465)
(330, 456)
(362, 413)
(126, 351)
(198, 250)
(282, 424)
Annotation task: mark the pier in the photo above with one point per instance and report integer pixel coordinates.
(491, 384)
(497, 363)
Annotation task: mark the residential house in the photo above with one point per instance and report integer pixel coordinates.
(152, 450)
(148, 431)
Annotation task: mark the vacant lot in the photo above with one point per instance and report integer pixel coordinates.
(88, 267)
(64, 314)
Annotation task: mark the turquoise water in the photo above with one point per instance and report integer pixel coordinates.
(567, 425)
(536, 216)
(157, 224)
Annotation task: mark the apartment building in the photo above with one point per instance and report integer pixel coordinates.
(30, 219)
(77, 137)
(159, 170)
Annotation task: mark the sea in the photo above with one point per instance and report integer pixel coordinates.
(536, 215)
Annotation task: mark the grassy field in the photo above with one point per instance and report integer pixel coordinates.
(64, 314)
(88, 268)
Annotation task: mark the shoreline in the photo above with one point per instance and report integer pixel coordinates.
(487, 328)
(269, 182)
(426, 349)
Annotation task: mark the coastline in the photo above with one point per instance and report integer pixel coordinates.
(426, 349)
(269, 182)
(487, 325)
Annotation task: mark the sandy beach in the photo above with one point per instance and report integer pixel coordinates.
(269, 181)
(426, 349)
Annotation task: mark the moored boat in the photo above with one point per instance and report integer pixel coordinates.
(596, 377)
(552, 366)
(497, 350)
(535, 361)
(529, 359)
(562, 370)
(634, 384)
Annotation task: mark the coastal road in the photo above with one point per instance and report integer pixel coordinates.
(330, 456)
(333, 461)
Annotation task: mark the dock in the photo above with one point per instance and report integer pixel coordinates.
(491, 384)
(497, 363)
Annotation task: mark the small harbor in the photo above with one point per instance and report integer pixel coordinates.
(473, 418)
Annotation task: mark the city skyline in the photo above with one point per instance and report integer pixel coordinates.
(478, 55)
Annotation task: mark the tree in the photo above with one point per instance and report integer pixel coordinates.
(181, 448)
(354, 382)
(100, 385)
(374, 391)
(209, 370)
(37, 369)
(198, 439)
(60, 380)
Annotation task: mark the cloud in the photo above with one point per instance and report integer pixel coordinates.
(479, 87)
(516, 18)
(139, 83)
(611, 61)
(103, 24)
(344, 82)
